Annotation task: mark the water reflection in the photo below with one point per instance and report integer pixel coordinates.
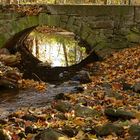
(56, 48)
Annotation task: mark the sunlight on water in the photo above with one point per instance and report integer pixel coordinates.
(56, 49)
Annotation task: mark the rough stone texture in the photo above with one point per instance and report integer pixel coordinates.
(82, 111)
(134, 130)
(107, 129)
(102, 27)
(50, 134)
(118, 114)
(63, 106)
(137, 87)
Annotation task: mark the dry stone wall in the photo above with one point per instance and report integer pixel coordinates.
(102, 27)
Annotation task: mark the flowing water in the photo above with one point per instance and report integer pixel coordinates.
(11, 100)
(56, 49)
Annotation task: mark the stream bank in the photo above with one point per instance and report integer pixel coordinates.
(108, 108)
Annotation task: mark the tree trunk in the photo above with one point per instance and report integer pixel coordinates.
(65, 54)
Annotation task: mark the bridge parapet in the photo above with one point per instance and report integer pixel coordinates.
(102, 27)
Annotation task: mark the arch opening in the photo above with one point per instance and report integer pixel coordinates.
(33, 68)
(55, 46)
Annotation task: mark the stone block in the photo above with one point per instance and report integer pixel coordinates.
(78, 22)
(70, 22)
(43, 18)
(64, 18)
(133, 37)
(32, 21)
(15, 26)
(102, 24)
(85, 31)
(9, 29)
(91, 40)
(63, 25)
(25, 22)
(2, 40)
(76, 29)
(137, 14)
(53, 20)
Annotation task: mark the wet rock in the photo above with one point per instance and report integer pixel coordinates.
(3, 135)
(134, 130)
(137, 87)
(72, 83)
(118, 96)
(10, 60)
(62, 96)
(9, 77)
(111, 93)
(70, 132)
(88, 129)
(2, 121)
(81, 111)
(106, 85)
(82, 76)
(64, 75)
(22, 135)
(69, 87)
(78, 89)
(82, 102)
(50, 134)
(63, 106)
(61, 116)
(118, 114)
(4, 51)
(30, 129)
(107, 129)
(127, 86)
(138, 107)
(29, 117)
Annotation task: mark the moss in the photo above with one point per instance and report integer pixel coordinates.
(133, 37)
(43, 19)
(102, 45)
(2, 40)
(70, 23)
(22, 23)
(32, 21)
(15, 26)
(53, 20)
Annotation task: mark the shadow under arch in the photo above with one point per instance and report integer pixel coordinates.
(30, 65)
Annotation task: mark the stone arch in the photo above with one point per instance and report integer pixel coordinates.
(26, 24)
(15, 29)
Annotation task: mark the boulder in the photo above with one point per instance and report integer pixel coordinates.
(137, 87)
(29, 117)
(82, 76)
(70, 132)
(63, 106)
(108, 129)
(118, 114)
(9, 77)
(10, 60)
(51, 134)
(82, 111)
(134, 130)
(61, 96)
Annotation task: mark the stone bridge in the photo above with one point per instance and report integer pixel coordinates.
(102, 27)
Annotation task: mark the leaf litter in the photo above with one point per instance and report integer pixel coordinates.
(112, 87)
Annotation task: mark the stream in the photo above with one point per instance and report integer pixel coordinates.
(59, 49)
(11, 100)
